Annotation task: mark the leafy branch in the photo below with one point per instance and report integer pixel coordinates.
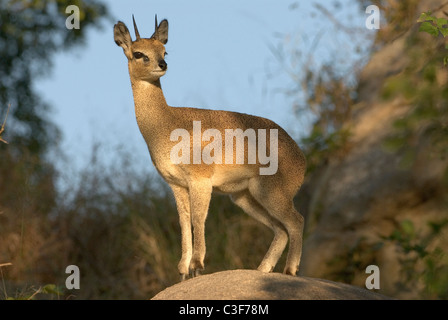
(420, 252)
(434, 26)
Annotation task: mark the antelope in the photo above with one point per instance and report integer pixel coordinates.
(266, 197)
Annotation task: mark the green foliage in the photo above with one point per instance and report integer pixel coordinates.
(353, 260)
(30, 33)
(422, 85)
(320, 146)
(46, 292)
(329, 96)
(120, 227)
(434, 26)
(423, 263)
(420, 252)
(323, 90)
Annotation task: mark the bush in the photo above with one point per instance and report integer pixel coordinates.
(119, 226)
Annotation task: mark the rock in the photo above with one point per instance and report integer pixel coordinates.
(356, 201)
(256, 285)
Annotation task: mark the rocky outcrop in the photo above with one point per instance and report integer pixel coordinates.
(359, 199)
(256, 285)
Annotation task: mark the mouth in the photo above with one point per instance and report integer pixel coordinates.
(153, 75)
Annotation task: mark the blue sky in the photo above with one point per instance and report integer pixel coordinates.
(219, 58)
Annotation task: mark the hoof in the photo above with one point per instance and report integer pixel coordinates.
(265, 268)
(196, 273)
(290, 271)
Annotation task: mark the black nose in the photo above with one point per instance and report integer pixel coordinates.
(163, 65)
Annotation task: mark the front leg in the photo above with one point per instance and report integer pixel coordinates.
(183, 208)
(200, 191)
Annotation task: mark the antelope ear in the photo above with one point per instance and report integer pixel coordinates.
(161, 32)
(123, 38)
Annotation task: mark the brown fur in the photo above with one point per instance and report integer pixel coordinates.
(268, 198)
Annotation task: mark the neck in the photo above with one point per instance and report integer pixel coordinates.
(151, 109)
(148, 94)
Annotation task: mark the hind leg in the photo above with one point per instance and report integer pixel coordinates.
(280, 206)
(295, 231)
(247, 202)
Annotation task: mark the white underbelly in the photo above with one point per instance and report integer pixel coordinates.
(233, 180)
(223, 178)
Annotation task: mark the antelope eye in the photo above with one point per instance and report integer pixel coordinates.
(145, 58)
(138, 55)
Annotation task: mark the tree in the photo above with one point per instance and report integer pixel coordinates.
(30, 33)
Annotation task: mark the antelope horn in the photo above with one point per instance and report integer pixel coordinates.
(137, 35)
